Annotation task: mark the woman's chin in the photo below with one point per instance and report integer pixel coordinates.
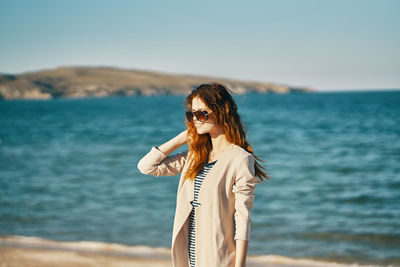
(200, 132)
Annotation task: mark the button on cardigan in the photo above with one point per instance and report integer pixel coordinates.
(226, 202)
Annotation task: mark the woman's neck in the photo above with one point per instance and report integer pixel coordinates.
(219, 145)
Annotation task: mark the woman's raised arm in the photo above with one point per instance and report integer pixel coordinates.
(174, 143)
(158, 163)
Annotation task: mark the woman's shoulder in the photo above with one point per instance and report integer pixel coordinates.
(241, 159)
(238, 151)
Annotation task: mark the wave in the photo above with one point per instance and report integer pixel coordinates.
(85, 246)
(115, 249)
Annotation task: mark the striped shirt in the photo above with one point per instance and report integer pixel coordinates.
(192, 233)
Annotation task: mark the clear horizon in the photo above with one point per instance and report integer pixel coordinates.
(329, 46)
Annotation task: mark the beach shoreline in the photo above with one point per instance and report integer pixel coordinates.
(34, 251)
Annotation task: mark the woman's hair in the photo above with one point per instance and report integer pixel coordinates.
(224, 109)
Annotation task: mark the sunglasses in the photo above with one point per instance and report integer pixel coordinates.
(200, 115)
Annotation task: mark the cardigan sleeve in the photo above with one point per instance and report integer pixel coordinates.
(157, 163)
(244, 187)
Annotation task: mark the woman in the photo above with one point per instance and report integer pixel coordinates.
(216, 189)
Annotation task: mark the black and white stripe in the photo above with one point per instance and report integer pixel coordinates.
(192, 232)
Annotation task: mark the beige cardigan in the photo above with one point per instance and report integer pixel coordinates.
(226, 198)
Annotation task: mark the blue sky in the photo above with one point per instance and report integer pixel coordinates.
(328, 45)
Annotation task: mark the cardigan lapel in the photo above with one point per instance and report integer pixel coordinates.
(216, 168)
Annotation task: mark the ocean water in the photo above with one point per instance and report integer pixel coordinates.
(68, 172)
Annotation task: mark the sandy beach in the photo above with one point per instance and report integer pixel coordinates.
(33, 251)
(16, 256)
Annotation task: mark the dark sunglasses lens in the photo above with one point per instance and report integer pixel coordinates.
(201, 116)
(189, 116)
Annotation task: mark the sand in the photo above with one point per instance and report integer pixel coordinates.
(12, 256)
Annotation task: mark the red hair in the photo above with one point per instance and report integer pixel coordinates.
(218, 99)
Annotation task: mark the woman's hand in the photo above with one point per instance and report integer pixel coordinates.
(174, 143)
(181, 138)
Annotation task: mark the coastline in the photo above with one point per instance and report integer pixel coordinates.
(36, 251)
(82, 82)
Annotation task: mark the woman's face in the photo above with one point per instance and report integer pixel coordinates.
(209, 126)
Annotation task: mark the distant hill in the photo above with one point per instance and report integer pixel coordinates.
(81, 82)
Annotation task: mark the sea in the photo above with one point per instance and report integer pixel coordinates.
(68, 172)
